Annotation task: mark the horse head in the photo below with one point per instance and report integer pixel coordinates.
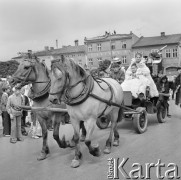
(28, 71)
(65, 73)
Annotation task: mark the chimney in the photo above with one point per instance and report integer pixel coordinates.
(30, 51)
(51, 48)
(46, 48)
(76, 42)
(162, 34)
(131, 32)
(57, 43)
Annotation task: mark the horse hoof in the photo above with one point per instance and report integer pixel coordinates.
(107, 150)
(42, 157)
(116, 142)
(96, 150)
(82, 138)
(75, 163)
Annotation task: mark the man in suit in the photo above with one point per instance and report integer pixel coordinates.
(24, 113)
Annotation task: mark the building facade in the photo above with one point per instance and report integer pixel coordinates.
(110, 46)
(171, 55)
(77, 53)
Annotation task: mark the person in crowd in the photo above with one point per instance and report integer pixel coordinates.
(164, 87)
(178, 88)
(14, 101)
(143, 70)
(5, 115)
(117, 73)
(173, 86)
(24, 113)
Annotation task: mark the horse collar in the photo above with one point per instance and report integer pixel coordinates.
(88, 84)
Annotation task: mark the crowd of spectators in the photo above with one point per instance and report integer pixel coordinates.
(16, 122)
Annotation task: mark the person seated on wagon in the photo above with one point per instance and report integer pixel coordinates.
(117, 73)
(164, 89)
(135, 82)
(104, 68)
(145, 78)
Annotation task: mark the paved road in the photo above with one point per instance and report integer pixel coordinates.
(161, 141)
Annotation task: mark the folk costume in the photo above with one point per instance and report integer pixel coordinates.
(143, 80)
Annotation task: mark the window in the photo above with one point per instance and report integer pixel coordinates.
(168, 53)
(90, 48)
(124, 59)
(123, 44)
(80, 62)
(90, 61)
(99, 47)
(113, 46)
(174, 52)
(154, 50)
(99, 59)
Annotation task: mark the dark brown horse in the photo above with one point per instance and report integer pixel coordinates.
(32, 71)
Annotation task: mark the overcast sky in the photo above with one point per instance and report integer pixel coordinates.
(33, 24)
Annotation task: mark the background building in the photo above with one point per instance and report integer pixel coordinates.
(109, 46)
(77, 52)
(171, 54)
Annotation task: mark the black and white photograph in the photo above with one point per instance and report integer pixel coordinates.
(90, 89)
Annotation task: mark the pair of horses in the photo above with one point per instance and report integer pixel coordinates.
(85, 100)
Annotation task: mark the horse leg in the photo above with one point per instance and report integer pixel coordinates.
(93, 149)
(82, 127)
(114, 118)
(116, 134)
(45, 149)
(76, 161)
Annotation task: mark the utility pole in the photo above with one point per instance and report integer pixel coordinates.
(57, 43)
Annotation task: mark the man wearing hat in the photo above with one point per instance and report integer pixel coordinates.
(14, 101)
(117, 73)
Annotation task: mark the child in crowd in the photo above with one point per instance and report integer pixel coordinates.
(14, 101)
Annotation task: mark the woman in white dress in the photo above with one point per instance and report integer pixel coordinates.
(143, 80)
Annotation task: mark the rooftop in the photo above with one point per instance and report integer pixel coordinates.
(158, 40)
(69, 49)
(108, 37)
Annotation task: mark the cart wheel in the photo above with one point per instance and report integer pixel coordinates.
(140, 121)
(103, 122)
(161, 114)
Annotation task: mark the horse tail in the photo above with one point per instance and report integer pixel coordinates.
(120, 114)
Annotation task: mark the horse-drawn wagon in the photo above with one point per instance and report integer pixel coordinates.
(137, 110)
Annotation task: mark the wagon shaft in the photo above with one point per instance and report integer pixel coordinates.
(27, 108)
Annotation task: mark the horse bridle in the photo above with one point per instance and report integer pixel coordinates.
(66, 86)
(31, 68)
